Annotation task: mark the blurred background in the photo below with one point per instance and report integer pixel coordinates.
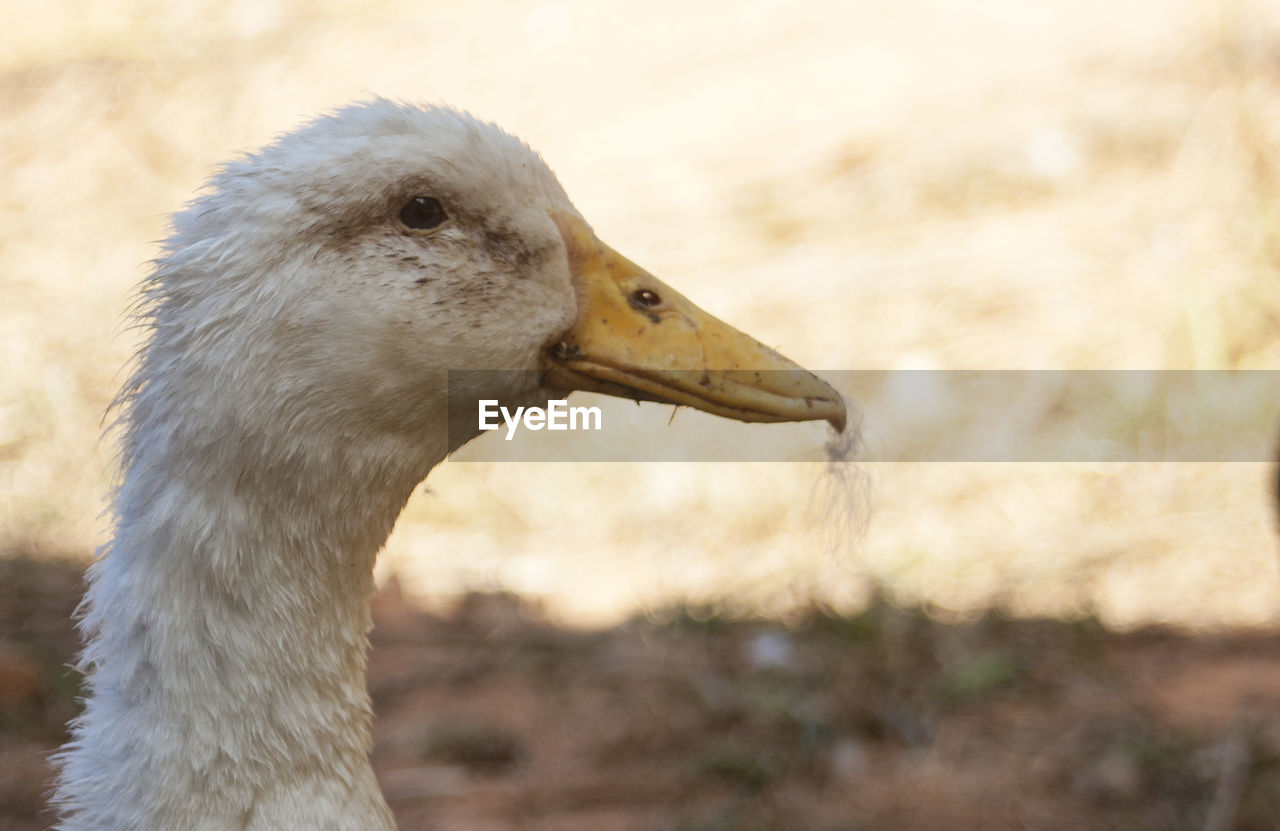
(924, 184)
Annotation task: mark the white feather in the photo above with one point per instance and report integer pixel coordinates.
(290, 395)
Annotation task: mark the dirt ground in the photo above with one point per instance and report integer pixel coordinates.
(490, 718)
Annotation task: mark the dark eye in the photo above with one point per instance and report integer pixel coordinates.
(423, 213)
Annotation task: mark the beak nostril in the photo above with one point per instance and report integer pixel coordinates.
(646, 298)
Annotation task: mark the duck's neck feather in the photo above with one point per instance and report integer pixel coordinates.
(226, 652)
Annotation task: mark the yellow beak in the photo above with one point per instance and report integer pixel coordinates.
(637, 338)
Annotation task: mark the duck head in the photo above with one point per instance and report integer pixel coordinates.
(380, 269)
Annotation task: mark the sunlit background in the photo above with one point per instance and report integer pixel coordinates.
(864, 185)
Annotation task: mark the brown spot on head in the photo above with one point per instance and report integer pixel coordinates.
(509, 247)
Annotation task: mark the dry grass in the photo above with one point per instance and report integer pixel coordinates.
(1063, 185)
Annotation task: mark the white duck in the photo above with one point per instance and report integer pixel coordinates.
(302, 319)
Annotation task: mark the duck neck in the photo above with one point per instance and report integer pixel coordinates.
(227, 637)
